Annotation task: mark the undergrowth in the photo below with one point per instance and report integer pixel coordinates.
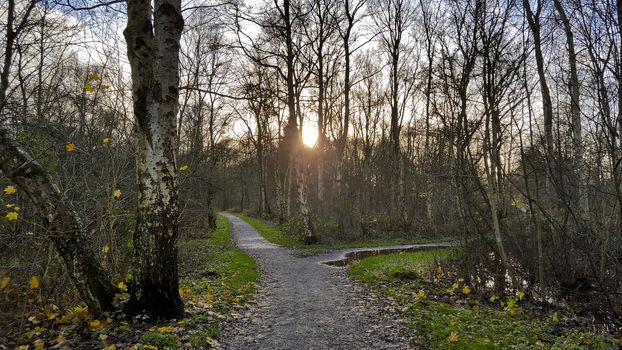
(446, 313)
(216, 279)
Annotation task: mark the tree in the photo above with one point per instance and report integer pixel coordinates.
(63, 227)
(153, 36)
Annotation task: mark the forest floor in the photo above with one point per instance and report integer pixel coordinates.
(304, 304)
(400, 300)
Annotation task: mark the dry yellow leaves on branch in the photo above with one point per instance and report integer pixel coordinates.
(10, 190)
(122, 286)
(4, 282)
(70, 147)
(421, 294)
(183, 168)
(106, 140)
(34, 282)
(105, 249)
(94, 76)
(453, 337)
(117, 193)
(11, 216)
(466, 290)
(88, 88)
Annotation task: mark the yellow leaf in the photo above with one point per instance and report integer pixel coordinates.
(421, 294)
(106, 140)
(17, 209)
(439, 270)
(453, 337)
(11, 216)
(211, 298)
(5, 282)
(110, 347)
(116, 194)
(494, 298)
(164, 329)
(554, 317)
(70, 147)
(88, 88)
(23, 347)
(9, 190)
(466, 290)
(10, 205)
(122, 286)
(104, 87)
(183, 168)
(34, 282)
(105, 249)
(60, 339)
(95, 325)
(94, 76)
(521, 295)
(39, 344)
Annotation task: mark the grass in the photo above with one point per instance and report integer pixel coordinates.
(217, 280)
(273, 233)
(413, 281)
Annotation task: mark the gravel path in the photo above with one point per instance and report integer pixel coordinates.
(304, 304)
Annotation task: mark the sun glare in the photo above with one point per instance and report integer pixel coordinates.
(309, 135)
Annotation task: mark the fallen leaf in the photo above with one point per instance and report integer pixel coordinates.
(453, 337)
(94, 76)
(466, 290)
(183, 168)
(70, 147)
(95, 325)
(11, 216)
(10, 190)
(116, 194)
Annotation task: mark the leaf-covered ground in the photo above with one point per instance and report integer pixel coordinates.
(216, 280)
(445, 313)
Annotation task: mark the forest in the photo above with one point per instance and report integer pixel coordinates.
(247, 174)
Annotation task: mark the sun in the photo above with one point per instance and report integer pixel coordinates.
(309, 135)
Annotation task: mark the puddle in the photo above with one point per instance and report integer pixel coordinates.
(352, 256)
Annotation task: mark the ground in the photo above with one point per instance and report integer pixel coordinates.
(304, 304)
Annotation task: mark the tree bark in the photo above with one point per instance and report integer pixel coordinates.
(153, 53)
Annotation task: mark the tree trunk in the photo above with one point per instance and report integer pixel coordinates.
(575, 112)
(153, 53)
(65, 231)
(533, 20)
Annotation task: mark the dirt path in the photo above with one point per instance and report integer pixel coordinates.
(304, 304)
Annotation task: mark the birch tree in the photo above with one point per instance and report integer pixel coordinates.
(153, 35)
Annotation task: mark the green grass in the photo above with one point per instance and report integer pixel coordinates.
(273, 233)
(217, 279)
(401, 276)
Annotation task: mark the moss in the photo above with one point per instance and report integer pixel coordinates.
(162, 341)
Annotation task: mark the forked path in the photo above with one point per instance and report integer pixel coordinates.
(303, 304)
